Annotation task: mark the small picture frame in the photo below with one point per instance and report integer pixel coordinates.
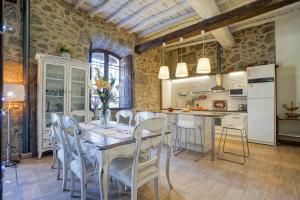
(220, 105)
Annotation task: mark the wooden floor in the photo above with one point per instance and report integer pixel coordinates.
(269, 174)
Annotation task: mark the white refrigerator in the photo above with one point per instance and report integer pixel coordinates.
(262, 104)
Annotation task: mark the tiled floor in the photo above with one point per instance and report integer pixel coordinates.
(270, 173)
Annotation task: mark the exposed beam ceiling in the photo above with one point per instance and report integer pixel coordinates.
(170, 29)
(207, 9)
(79, 3)
(154, 18)
(138, 14)
(239, 14)
(123, 8)
(174, 21)
(98, 9)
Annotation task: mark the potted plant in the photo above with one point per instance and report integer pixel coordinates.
(105, 90)
(64, 51)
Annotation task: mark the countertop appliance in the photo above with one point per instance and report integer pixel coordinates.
(238, 92)
(261, 104)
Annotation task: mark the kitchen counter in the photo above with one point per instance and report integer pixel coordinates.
(206, 113)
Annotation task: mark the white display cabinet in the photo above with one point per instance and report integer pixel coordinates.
(62, 88)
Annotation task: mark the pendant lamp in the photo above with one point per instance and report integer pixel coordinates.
(164, 70)
(181, 68)
(203, 66)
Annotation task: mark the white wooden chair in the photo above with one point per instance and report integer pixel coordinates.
(81, 164)
(141, 116)
(54, 139)
(124, 114)
(62, 152)
(135, 172)
(88, 115)
(238, 124)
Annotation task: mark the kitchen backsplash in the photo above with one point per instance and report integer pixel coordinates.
(183, 86)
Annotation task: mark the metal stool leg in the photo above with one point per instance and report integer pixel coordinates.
(246, 134)
(220, 142)
(225, 140)
(195, 137)
(243, 146)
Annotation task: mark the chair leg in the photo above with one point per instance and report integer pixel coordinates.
(65, 176)
(72, 184)
(58, 169)
(119, 187)
(83, 187)
(54, 158)
(225, 140)
(156, 186)
(220, 142)
(133, 192)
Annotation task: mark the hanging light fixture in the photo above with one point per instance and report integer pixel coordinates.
(203, 66)
(181, 68)
(164, 70)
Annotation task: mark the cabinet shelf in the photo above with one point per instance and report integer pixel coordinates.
(78, 97)
(54, 96)
(54, 79)
(82, 82)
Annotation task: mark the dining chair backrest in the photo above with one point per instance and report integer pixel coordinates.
(186, 121)
(71, 133)
(155, 126)
(124, 114)
(141, 116)
(58, 131)
(79, 114)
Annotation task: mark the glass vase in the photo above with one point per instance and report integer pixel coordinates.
(104, 117)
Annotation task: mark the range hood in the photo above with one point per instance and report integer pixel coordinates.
(218, 87)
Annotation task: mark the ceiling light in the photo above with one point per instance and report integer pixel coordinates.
(181, 68)
(164, 70)
(203, 66)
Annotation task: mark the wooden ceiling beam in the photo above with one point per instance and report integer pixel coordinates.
(133, 18)
(154, 18)
(207, 9)
(239, 14)
(99, 8)
(121, 10)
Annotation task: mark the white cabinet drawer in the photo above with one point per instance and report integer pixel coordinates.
(46, 144)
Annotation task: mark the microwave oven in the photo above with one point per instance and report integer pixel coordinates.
(238, 92)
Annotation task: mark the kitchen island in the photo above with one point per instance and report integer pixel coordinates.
(205, 120)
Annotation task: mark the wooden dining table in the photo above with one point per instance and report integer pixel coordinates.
(115, 141)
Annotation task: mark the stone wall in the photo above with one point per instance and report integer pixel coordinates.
(146, 85)
(254, 46)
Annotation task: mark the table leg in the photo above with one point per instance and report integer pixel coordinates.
(212, 132)
(168, 166)
(105, 180)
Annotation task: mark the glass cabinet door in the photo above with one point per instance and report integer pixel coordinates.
(54, 90)
(78, 90)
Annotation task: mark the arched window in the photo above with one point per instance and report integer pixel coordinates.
(110, 63)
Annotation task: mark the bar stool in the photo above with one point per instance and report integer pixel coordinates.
(187, 123)
(239, 124)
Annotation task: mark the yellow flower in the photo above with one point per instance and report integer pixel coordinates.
(102, 95)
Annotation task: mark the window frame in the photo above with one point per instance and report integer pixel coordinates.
(106, 66)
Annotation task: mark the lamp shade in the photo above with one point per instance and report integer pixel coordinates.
(203, 66)
(181, 70)
(14, 92)
(164, 72)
